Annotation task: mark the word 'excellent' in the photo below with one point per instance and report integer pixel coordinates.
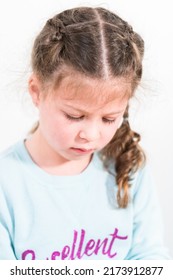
(92, 247)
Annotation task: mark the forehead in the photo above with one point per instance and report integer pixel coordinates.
(93, 91)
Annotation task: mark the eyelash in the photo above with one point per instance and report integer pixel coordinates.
(80, 118)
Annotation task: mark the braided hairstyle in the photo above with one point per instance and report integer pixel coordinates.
(98, 44)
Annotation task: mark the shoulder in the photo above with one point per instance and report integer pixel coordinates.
(9, 162)
(141, 182)
(142, 179)
(144, 191)
(9, 154)
(137, 179)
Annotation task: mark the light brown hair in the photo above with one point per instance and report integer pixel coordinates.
(98, 44)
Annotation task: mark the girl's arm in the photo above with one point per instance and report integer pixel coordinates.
(147, 240)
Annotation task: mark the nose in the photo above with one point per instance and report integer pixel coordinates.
(91, 132)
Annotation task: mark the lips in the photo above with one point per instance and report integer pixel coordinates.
(81, 150)
(84, 150)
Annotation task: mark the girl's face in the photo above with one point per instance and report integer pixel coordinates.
(81, 116)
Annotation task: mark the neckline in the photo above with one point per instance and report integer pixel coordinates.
(45, 177)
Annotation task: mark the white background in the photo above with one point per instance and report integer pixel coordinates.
(151, 113)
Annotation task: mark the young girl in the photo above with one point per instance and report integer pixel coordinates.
(77, 187)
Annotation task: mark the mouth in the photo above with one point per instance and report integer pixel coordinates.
(83, 151)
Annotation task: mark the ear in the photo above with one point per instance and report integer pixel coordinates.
(34, 87)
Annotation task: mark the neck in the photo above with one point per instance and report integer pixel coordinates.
(49, 160)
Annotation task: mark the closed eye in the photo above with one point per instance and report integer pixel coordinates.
(109, 121)
(72, 118)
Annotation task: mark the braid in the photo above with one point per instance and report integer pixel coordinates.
(127, 155)
(48, 44)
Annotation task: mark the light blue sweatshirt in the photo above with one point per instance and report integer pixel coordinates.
(44, 216)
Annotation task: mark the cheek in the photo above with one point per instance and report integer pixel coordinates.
(54, 127)
(61, 130)
(50, 121)
(108, 134)
(111, 134)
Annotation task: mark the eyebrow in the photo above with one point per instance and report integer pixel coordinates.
(83, 111)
